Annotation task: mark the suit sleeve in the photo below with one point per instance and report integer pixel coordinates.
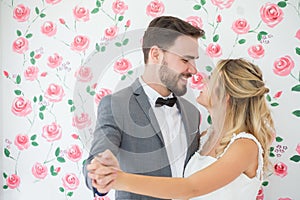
(107, 134)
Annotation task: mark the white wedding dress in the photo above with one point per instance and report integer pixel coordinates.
(242, 188)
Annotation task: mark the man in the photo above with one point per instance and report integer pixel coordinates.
(147, 136)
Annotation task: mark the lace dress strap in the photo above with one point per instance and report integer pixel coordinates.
(259, 170)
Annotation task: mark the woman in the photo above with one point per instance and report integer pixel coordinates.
(231, 161)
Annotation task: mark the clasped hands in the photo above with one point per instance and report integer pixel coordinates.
(103, 171)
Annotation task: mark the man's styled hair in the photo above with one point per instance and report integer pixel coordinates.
(163, 31)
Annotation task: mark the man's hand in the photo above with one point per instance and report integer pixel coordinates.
(103, 171)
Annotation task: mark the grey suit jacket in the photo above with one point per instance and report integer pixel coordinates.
(126, 125)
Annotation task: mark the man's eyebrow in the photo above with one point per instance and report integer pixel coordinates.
(190, 57)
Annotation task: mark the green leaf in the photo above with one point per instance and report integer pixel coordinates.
(32, 61)
(37, 11)
(61, 189)
(95, 10)
(70, 102)
(19, 33)
(88, 89)
(209, 119)
(5, 187)
(18, 79)
(97, 47)
(18, 92)
(281, 4)
(42, 108)
(296, 113)
(4, 175)
(125, 41)
(98, 4)
(29, 35)
(72, 109)
(103, 49)
(298, 50)
(271, 149)
(52, 170)
(33, 137)
(295, 158)
(57, 151)
(274, 104)
(83, 162)
(40, 98)
(41, 115)
(208, 68)
(216, 38)
(118, 44)
(61, 159)
(296, 88)
(272, 155)
(203, 2)
(31, 53)
(242, 41)
(130, 72)
(268, 97)
(34, 99)
(123, 77)
(265, 183)
(121, 18)
(35, 144)
(6, 152)
(92, 93)
(70, 194)
(42, 15)
(279, 139)
(260, 34)
(197, 7)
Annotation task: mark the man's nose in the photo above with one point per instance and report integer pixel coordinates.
(192, 67)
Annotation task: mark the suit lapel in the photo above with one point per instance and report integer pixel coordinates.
(143, 102)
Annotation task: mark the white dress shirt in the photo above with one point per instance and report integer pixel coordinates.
(172, 128)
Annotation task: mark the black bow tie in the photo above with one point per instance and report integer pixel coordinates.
(169, 102)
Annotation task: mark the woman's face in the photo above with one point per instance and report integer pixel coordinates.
(203, 97)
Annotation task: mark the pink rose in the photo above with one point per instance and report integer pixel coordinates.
(22, 141)
(53, 1)
(39, 170)
(80, 43)
(52, 132)
(198, 81)
(260, 194)
(13, 181)
(111, 33)
(48, 28)
(128, 23)
(20, 45)
(54, 61)
(119, 7)
(214, 50)
(155, 8)
(195, 21)
(222, 3)
(74, 153)
(240, 26)
(70, 181)
(283, 66)
(298, 34)
(277, 94)
(81, 121)
(21, 106)
(31, 73)
(102, 198)
(84, 74)
(271, 14)
(100, 94)
(219, 18)
(54, 93)
(122, 66)
(280, 169)
(81, 14)
(284, 199)
(21, 13)
(256, 51)
(298, 149)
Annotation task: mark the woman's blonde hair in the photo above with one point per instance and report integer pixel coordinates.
(240, 83)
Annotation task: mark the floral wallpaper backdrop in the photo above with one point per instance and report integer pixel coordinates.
(59, 58)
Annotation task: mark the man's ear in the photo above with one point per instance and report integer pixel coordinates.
(155, 55)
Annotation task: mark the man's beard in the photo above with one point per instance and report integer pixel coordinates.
(170, 79)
